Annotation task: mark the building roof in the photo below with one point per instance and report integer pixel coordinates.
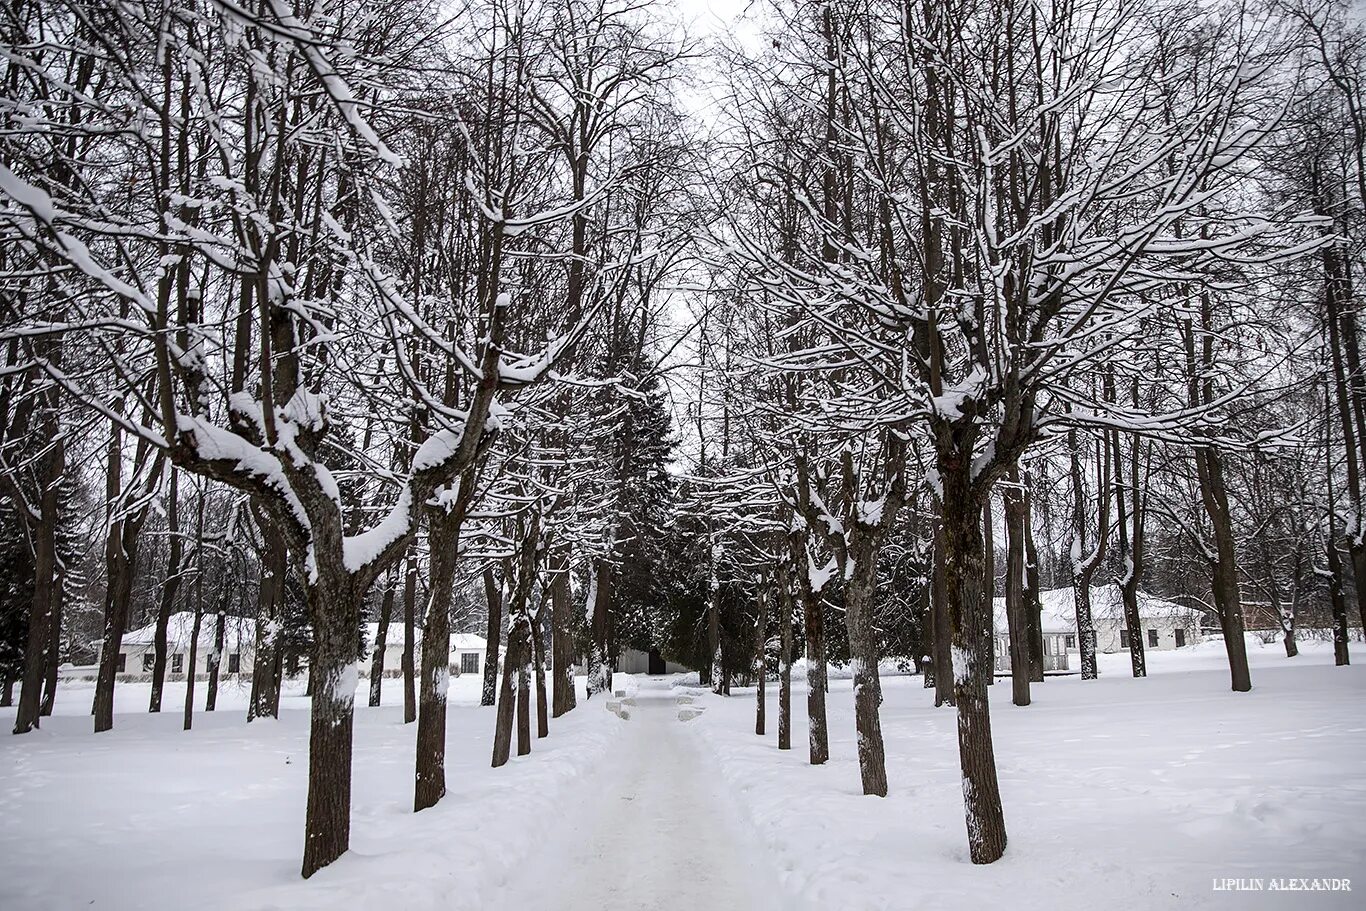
(394, 638)
(1107, 603)
(237, 631)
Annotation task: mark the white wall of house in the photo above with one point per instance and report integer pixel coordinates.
(1160, 633)
(467, 652)
(137, 661)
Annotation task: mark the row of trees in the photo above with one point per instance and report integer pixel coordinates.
(345, 302)
(1079, 271)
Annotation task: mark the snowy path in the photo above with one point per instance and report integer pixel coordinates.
(654, 830)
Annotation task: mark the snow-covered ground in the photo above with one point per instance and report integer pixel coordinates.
(150, 817)
(1119, 793)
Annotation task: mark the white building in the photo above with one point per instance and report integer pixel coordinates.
(137, 651)
(1165, 625)
(467, 650)
(1059, 634)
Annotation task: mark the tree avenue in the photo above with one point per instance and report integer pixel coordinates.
(352, 331)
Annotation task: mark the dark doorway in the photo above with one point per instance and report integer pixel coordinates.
(656, 662)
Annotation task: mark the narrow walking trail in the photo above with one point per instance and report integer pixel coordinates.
(652, 830)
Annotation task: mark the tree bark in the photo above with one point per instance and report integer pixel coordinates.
(523, 710)
(1033, 602)
(194, 659)
(988, 593)
(410, 642)
(718, 671)
(760, 659)
(940, 640)
(562, 644)
(813, 622)
(117, 595)
(443, 538)
(1016, 611)
(54, 646)
(1130, 551)
(507, 699)
(381, 644)
(863, 654)
(1227, 600)
(785, 607)
(538, 668)
(44, 531)
(493, 595)
(970, 628)
(599, 658)
(168, 591)
(215, 660)
(334, 607)
(267, 666)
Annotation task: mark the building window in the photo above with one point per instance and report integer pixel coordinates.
(123, 662)
(1152, 638)
(1180, 638)
(234, 662)
(177, 663)
(469, 662)
(1124, 638)
(149, 662)
(1071, 641)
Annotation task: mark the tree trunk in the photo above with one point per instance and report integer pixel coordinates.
(120, 560)
(1084, 563)
(970, 628)
(1130, 551)
(523, 710)
(381, 644)
(1227, 601)
(718, 671)
(538, 667)
(599, 657)
(493, 595)
(1341, 325)
(334, 607)
(760, 659)
(507, 699)
(1033, 602)
(54, 647)
(813, 621)
(785, 607)
(194, 659)
(1017, 622)
(988, 593)
(863, 654)
(1134, 622)
(1289, 617)
(215, 660)
(443, 538)
(168, 592)
(561, 640)
(941, 644)
(1341, 631)
(268, 664)
(117, 595)
(410, 643)
(44, 532)
(1086, 625)
(6, 692)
